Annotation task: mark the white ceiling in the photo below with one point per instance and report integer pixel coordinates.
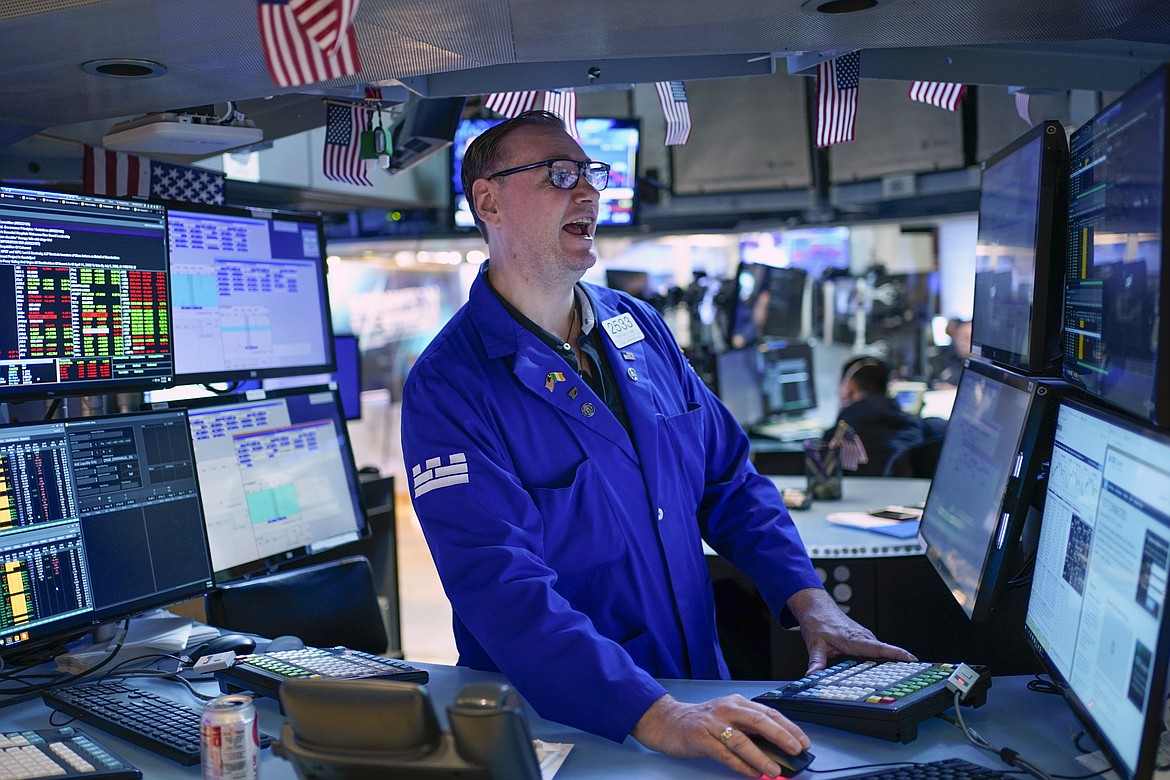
(211, 50)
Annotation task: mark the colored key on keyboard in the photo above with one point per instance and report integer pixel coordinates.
(881, 698)
(60, 753)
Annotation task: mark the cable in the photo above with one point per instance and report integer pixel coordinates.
(1007, 755)
(63, 679)
(1039, 685)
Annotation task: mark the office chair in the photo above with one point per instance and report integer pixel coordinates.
(920, 461)
(326, 604)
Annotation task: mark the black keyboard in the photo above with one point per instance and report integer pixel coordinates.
(60, 753)
(943, 769)
(157, 723)
(263, 673)
(886, 699)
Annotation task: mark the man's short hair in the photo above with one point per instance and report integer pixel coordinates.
(485, 157)
(869, 374)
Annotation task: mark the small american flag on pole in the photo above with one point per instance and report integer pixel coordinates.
(938, 93)
(672, 96)
(291, 46)
(837, 82)
(343, 127)
(511, 104)
(563, 103)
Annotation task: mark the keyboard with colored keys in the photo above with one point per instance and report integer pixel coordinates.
(886, 699)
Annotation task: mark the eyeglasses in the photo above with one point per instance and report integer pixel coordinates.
(564, 173)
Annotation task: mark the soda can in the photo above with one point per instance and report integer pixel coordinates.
(229, 743)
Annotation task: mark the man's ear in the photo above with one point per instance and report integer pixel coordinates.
(483, 195)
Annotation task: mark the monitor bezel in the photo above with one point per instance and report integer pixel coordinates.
(1045, 321)
(70, 627)
(1153, 727)
(238, 375)
(58, 389)
(1033, 447)
(298, 555)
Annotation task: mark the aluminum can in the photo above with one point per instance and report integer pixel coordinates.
(229, 744)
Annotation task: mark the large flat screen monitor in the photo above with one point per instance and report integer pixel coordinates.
(1097, 610)
(278, 477)
(1116, 303)
(1019, 253)
(84, 304)
(770, 303)
(347, 378)
(613, 141)
(99, 518)
(739, 384)
(987, 481)
(787, 378)
(249, 294)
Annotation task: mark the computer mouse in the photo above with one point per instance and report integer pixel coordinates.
(789, 765)
(237, 643)
(285, 642)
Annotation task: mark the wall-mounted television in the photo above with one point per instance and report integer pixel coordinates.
(1019, 253)
(613, 141)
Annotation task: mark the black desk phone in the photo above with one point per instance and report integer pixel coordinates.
(359, 729)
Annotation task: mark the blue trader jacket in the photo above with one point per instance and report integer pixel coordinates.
(572, 556)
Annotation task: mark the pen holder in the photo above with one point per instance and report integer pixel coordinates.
(822, 466)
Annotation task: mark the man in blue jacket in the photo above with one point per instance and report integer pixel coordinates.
(566, 465)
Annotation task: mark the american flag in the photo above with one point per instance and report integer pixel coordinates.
(563, 103)
(106, 172)
(1024, 107)
(837, 99)
(291, 46)
(672, 95)
(343, 127)
(511, 104)
(938, 93)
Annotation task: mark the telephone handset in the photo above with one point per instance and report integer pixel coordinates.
(359, 729)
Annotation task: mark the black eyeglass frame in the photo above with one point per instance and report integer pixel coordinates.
(583, 170)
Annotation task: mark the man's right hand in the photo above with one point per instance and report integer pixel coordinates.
(719, 729)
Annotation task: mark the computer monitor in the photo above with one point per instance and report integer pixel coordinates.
(770, 303)
(1020, 252)
(278, 477)
(84, 304)
(739, 384)
(99, 519)
(1097, 613)
(249, 294)
(348, 377)
(1117, 294)
(613, 141)
(987, 482)
(635, 283)
(788, 381)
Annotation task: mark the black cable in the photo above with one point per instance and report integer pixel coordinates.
(1039, 685)
(36, 690)
(54, 405)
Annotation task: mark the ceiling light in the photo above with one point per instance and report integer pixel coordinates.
(840, 6)
(124, 68)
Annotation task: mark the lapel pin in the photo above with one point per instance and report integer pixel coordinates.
(551, 380)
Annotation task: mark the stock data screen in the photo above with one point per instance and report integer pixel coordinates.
(250, 297)
(83, 281)
(99, 517)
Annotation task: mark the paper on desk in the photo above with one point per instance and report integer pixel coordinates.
(902, 529)
(143, 637)
(550, 756)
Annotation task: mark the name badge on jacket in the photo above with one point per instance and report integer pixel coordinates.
(623, 330)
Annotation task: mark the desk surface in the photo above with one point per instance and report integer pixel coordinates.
(859, 494)
(1036, 725)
